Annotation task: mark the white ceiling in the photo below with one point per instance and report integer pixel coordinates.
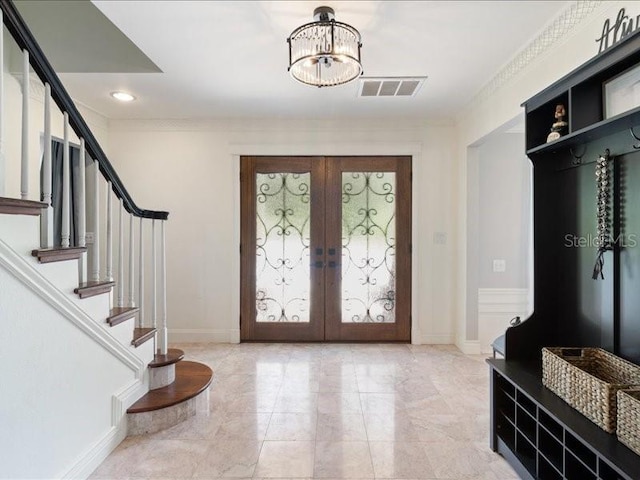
(229, 58)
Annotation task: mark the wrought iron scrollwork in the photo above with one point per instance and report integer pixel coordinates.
(282, 247)
(368, 247)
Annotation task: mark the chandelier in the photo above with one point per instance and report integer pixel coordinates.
(324, 53)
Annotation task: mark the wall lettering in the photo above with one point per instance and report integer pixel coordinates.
(612, 34)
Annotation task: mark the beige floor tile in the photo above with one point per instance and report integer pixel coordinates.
(292, 426)
(338, 383)
(229, 459)
(169, 458)
(285, 460)
(382, 403)
(458, 460)
(305, 402)
(400, 460)
(262, 402)
(243, 426)
(341, 428)
(338, 403)
(326, 411)
(343, 460)
(395, 426)
(376, 384)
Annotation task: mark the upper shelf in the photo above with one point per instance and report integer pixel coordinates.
(582, 93)
(603, 128)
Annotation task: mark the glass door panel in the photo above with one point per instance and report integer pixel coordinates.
(368, 292)
(283, 221)
(368, 247)
(282, 227)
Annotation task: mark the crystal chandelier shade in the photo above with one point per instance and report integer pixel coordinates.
(324, 53)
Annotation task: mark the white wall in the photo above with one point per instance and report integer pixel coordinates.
(191, 169)
(492, 110)
(66, 382)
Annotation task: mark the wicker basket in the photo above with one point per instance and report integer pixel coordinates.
(628, 430)
(588, 379)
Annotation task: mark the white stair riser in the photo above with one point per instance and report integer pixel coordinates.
(20, 232)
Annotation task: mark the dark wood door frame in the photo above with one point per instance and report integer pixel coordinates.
(325, 311)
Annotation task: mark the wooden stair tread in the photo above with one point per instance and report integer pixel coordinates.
(191, 379)
(121, 314)
(58, 254)
(173, 355)
(16, 206)
(89, 289)
(141, 335)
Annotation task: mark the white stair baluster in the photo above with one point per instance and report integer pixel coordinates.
(154, 275)
(109, 235)
(24, 177)
(141, 276)
(66, 185)
(132, 297)
(95, 251)
(46, 223)
(82, 211)
(120, 286)
(163, 296)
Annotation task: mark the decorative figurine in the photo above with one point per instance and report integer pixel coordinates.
(559, 128)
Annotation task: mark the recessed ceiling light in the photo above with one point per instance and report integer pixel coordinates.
(123, 96)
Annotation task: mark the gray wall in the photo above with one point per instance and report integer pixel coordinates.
(498, 218)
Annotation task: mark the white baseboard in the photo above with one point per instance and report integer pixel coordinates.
(203, 335)
(469, 347)
(437, 339)
(97, 453)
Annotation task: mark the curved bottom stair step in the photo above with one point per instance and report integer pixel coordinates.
(167, 406)
(191, 379)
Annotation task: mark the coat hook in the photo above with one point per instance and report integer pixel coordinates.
(637, 145)
(577, 159)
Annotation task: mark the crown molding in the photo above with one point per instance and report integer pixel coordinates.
(558, 29)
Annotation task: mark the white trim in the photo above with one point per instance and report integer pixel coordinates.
(497, 300)
(442, 339)
(204, 335)
(30, 277)
(413, 149)
(469, 347)
(89, 460)
(496, 306)
(95, 455)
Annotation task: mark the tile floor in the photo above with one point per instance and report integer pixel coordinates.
(326, 411)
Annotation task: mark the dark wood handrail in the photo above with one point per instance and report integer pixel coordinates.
(26, 41)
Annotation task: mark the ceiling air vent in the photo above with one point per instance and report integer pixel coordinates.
(390, 86)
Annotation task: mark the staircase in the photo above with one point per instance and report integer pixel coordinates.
(90, 327)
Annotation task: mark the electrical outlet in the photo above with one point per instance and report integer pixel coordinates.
(89, 238)
(499, 266)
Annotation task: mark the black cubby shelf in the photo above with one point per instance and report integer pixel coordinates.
(546, 438)
(582, 94)
(610, 126)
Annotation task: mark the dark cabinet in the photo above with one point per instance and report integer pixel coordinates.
(537, 432)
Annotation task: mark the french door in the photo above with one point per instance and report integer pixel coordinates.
(325, 249)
